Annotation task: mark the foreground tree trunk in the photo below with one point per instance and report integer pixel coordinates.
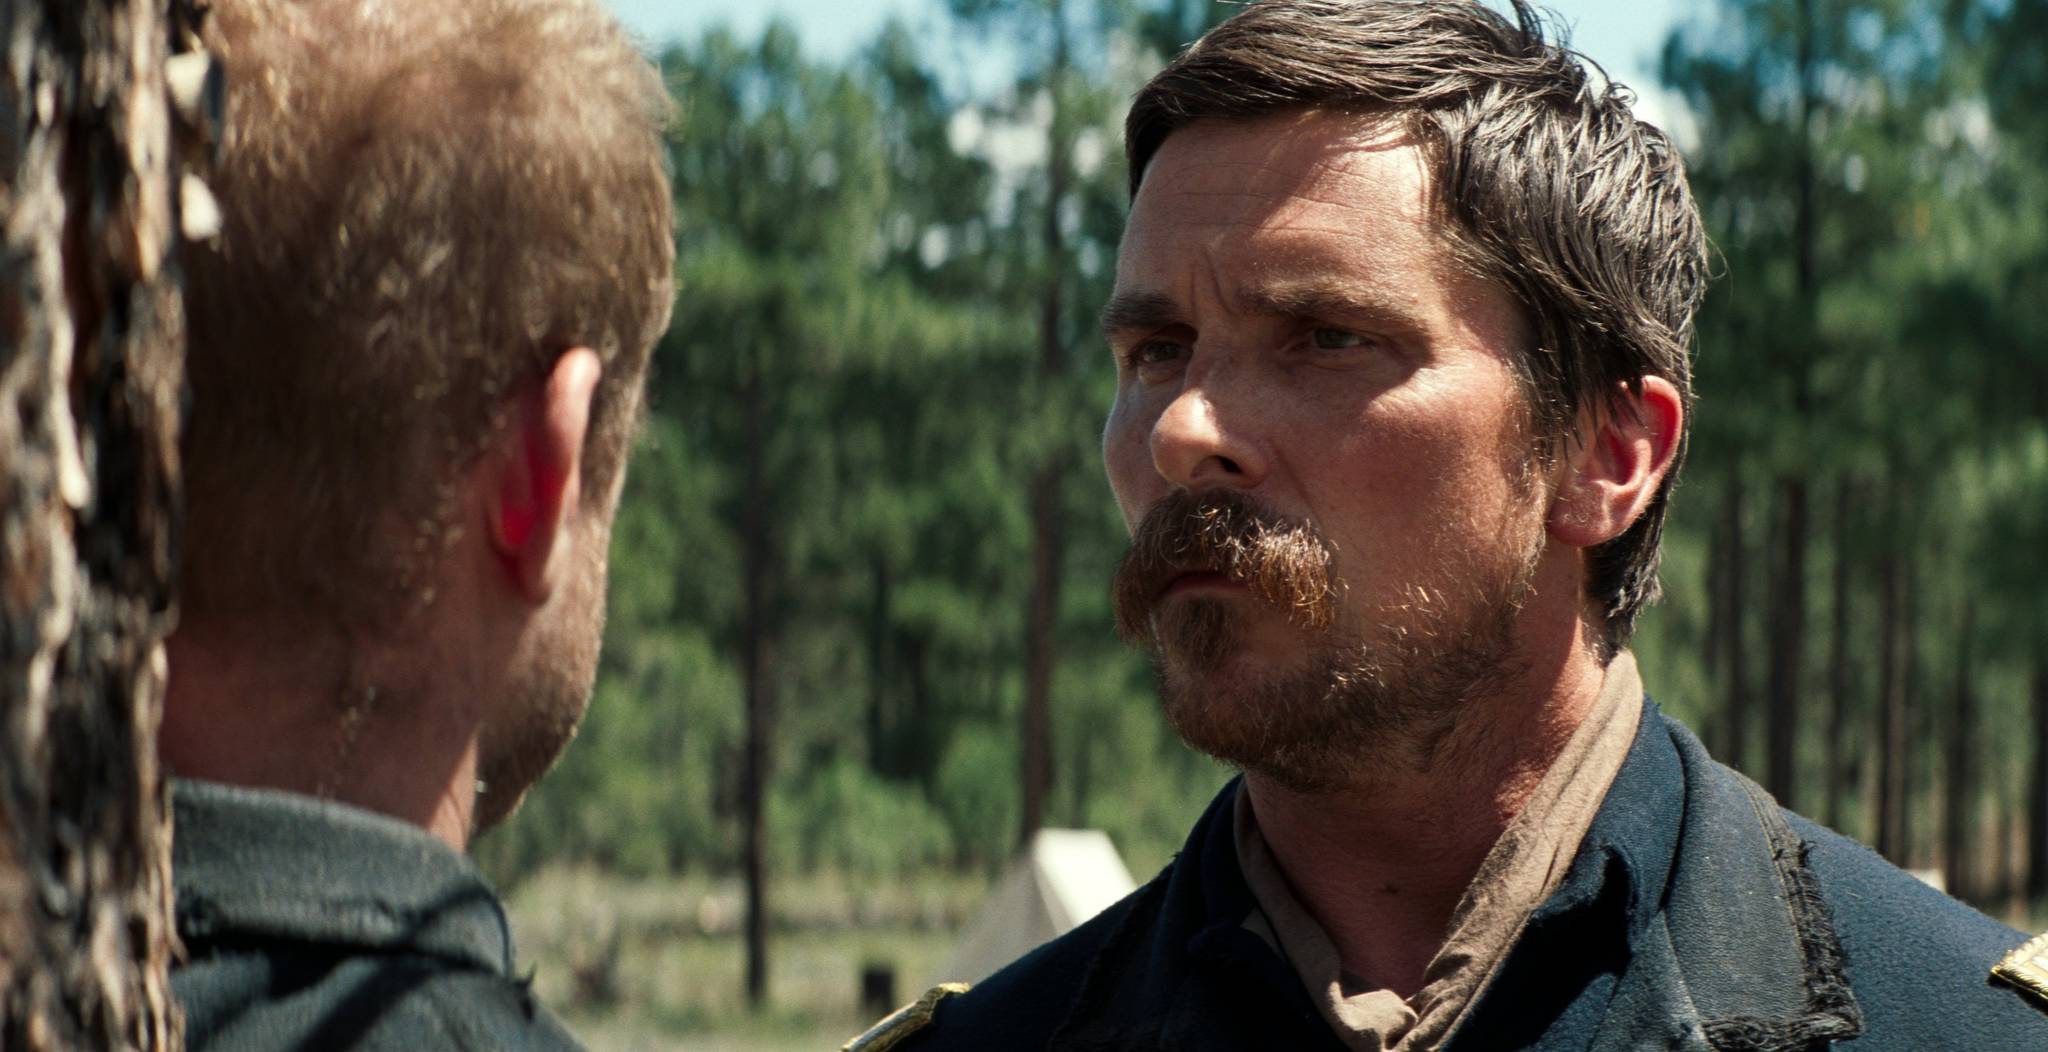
(91, 369)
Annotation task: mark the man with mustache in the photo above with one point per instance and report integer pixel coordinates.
(1401, 321)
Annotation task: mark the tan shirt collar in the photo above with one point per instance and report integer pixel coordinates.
(1524, 867)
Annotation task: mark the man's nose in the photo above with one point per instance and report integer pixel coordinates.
(1195, 447)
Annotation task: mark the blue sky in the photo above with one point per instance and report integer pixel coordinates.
(1622, 35)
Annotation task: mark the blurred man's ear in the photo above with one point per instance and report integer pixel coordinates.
(1613, 473)
(535, 475)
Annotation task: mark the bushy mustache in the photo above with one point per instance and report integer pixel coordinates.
(1284, 562)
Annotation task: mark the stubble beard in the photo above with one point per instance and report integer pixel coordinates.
(538, 720)
(1369, 693)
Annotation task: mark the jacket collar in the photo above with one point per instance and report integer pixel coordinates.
(1692, 896)
(1777, 982)
(265, 865)
(1182, 972)
(1688, 920)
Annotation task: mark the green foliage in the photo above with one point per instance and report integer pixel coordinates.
(851, 400)
(854, 398)
(844, 818)
(976, 788)
(645, 787)
(1869, 174)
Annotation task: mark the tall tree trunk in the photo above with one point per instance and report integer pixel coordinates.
(1713, 726)
(1047, 514)
(883, 755)
(1806, 219)
(1035, 753)
(1959, 823)
(91, 374)
(1915, 759)
(2037, 788)
(1735, 661)
(1083, 778)
(757, 659)
(1891, 781)
(1788, 596)
(917, 654)
(2010, 880)
(1788, 640)
(1840, 760)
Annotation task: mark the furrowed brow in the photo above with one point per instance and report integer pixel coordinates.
(1131, 311)
(1327, 300)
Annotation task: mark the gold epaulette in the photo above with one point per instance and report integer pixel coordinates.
(904, 1021)
(2027, 969)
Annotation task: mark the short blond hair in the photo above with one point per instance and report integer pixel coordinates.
(426, 203)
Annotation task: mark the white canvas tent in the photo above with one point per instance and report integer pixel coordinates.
(1064, 878)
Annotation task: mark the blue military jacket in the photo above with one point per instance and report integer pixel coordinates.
(310, 925)
(1697, 916)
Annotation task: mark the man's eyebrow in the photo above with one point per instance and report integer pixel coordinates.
(1321, 298)
(1128, 311)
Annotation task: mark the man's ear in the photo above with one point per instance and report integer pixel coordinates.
(1613, 473)
(534, 475)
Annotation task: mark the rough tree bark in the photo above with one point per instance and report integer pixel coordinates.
(91, 373)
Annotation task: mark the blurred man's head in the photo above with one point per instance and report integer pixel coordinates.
(422, 334)
(1402, 320)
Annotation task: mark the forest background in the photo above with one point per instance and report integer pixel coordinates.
(859, 641)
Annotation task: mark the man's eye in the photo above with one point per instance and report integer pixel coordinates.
(1153, 352)
(1326, 339)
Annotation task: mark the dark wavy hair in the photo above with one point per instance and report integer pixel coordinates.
(1548, 185)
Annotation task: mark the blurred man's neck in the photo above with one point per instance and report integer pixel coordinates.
(312, 719)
